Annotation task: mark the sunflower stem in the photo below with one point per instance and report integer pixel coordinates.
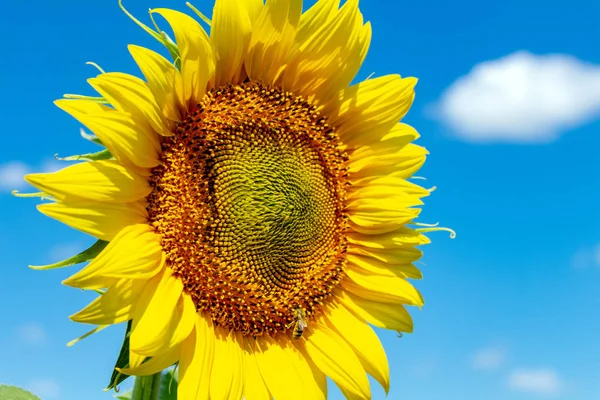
(146, 387)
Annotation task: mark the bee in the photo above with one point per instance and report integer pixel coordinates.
(300, 324)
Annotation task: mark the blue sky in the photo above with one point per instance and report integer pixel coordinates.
(511, 303)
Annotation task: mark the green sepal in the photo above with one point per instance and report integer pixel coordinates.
(122, 362)
(16, 393)
(93, 64)
(168, 43)
(203, 17)
(41, 195)
(89, 333)
(88, 136)
(84, 256)
(95, 99)
(173, 49)
(436, 229)
(168, 386)
(97, 156)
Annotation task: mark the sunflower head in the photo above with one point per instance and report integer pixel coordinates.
(253, 209)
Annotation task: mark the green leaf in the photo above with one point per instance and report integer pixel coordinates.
(15, 393)
(168, 386)
(122, 361)
(84, 256)
(97, 156)
(124, 396)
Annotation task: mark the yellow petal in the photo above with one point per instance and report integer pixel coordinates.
(159, 362)
(319, 378)
(370, 265)
(254, 9)
(377, 222)
(106, 181)
(136, 360)
(272, 37)
(196, 360)
(402, 164)
(164, 81)
(315, 17)
(410, 160)
(155, 325)
(329, 57)
(363, 340)
(118, 131)
(390, 256)
(337, 360)
(101, 220)
(197, 64)
(131, 95)
(387, 151)
(383, 315)
(227, 375)
(313, 380)
(386, 205)
(187, 312)
(114, 306)
(134, 253)
(371, 108)
(386, 289)
(230, 34)
(254, 385)
(384, 187)
(283, 381)
(401, 237)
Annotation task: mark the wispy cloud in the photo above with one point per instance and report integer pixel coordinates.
(31, 333)
(489, 358)
(544, 382)
(44, 388)
(586, 257)
(521, 98)
(11, 175)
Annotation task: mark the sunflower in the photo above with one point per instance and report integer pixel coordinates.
(252, 208)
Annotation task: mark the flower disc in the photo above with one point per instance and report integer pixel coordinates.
(248, 202)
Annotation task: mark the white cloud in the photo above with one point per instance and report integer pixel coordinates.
(489, 358)
(31, 333)
(44, 388)
(545, 382)
(11, 175)
(522, 98)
